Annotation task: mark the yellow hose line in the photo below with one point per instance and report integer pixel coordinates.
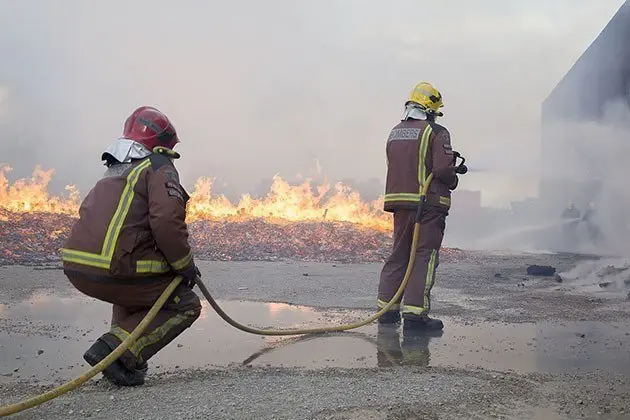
(320, 330)
(8, 410)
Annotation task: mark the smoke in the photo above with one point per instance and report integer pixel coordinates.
(585, 165)
(258, 88)
(4, 103)
(584, 144)
(609, 275)
(592, 168)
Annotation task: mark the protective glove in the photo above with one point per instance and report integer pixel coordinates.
(190, 276)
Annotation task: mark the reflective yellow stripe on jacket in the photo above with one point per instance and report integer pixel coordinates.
(415, 198)
(162, 266)
(422, 155)
(143, 267)
(422, 171)
(104, 259)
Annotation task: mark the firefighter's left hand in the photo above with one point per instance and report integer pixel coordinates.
(190, 276)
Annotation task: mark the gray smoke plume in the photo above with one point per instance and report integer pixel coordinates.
(258, 88)
(592, 167)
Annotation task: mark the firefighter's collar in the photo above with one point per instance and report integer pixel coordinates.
(125, 150)
(415, 112)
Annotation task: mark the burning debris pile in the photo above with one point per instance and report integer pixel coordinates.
(307, 241)
(35, 238)
(289, 223)
(32, 238)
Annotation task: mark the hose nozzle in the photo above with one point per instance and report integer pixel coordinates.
(461, 168)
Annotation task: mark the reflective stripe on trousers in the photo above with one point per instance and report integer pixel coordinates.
(381, 304)
(152, 337)
(428, 285)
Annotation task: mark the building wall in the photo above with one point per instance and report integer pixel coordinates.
(599, 78)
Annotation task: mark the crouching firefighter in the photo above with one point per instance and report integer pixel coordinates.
(131, 240)
(416, 147)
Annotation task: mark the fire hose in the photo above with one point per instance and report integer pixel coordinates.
(11, 409)
(8, 410)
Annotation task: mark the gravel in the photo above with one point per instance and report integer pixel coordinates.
(289, 394)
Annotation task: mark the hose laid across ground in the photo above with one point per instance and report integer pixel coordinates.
(8, 410)
(320, 330)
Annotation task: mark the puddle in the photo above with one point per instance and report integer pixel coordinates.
(64, 327)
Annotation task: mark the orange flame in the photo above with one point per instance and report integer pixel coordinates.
(283, 203)
(295, 203)
(31, 195)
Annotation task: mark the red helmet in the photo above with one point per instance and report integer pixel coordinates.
(151, 128)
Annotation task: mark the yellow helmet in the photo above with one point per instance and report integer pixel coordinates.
(425, 95)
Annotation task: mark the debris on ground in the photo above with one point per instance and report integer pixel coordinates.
(611, 270)
(607, 284)
(35, 239)
(541, 270)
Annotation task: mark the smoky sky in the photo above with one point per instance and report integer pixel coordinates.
(290, 87)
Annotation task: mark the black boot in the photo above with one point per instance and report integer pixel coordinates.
(116, 372)
(422, 323)
(389, 317)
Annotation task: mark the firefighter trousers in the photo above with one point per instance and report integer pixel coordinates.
(417, 295)
(131, 303)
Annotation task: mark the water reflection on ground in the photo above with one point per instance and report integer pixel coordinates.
(48, 335)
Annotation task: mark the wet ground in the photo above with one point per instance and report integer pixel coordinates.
(514, 346)
(68, 325)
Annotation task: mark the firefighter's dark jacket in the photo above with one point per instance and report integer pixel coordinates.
(416, 148)
(132, 225)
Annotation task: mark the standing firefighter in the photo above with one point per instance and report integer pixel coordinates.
(131, 240)
(416, 147)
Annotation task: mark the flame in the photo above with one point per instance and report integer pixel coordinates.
(283, 203)
(293, 203)
(31, 195)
